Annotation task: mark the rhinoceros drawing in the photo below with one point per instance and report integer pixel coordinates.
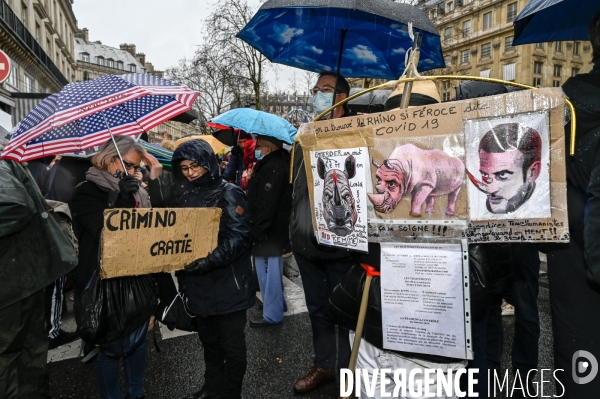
(423, 174)
(339, 209)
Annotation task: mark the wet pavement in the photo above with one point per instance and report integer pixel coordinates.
(277, 356)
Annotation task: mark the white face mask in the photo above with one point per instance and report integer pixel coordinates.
(321, 101)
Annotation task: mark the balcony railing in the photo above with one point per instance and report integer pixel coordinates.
(12, 24)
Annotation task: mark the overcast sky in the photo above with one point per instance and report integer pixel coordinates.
(166, 31)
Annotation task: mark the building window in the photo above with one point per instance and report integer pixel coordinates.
(27, 84)
(558, 47)
(119, 64)
(508, 72)
(450, 6)
(110, 63)
(24, 14)
(467, 28)
(85, 57)
(37, 32)
(487, 20)
(512, 12)
(537, 67)
(508, 43)
(485, 73)
(576, 46)
(557, 71)
(575, 72)
(465, 56)
(131, 68)
(486, 50)
(448, 35)
(448, 61)
(445, 90)
(13, 78)
(100, 61)
(539, 45)
(433, 13)
(537, 82)
(556, 83)
(86, 76)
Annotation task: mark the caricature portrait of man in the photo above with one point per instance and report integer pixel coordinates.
(509, 163)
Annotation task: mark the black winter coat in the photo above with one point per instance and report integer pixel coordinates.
(229, 288)
(87, 208)
(270, 201)
(583, 171)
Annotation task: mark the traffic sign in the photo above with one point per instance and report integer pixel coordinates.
(4, 66)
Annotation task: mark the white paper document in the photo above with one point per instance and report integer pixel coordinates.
(423, 299)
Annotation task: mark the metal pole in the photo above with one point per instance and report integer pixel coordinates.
(339, 64)
(114, 142)
(416, 49)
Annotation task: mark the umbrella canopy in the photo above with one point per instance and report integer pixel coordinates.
(163, 155)
(216, 145)
(257, 122)
(369, 103)
(371, 36)
(80, 115)
(554, 20)
(227, 135)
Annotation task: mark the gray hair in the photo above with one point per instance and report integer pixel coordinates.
(108, 152)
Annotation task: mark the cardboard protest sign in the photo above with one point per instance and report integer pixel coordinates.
(149, 240)
(489, 169)
(341, 197)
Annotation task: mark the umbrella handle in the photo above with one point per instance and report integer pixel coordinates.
(359, 325)
(114, 142)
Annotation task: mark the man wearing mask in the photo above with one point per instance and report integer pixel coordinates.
(269, 200)
(321, 267)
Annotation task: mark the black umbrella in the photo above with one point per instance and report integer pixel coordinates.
(369, 103)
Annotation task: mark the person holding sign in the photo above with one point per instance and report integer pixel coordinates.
(110, 184)
(219, 286)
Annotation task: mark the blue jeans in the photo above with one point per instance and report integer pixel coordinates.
(270, 279)
(319, 279)
(527, 319)
(133, 351)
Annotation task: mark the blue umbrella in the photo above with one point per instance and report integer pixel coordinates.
(554, 20)
(257, 122)
(355, 38)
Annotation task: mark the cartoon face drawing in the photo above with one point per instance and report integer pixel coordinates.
(339, 210)
(509, 163)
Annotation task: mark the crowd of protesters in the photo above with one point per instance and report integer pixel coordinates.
(264, 217)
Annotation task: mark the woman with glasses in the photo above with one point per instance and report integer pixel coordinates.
(219, 287)
(110, 184)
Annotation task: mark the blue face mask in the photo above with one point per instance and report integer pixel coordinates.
(258, 155)
(321, 101)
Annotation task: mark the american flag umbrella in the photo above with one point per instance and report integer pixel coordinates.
(86, 114)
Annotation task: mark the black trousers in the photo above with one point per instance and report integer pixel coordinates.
(575, 320)
(24, 349)
(224, 344)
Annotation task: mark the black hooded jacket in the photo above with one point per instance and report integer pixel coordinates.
(229, 288)
(583, 171)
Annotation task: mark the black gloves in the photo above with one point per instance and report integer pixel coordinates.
(200, 267)
(237, 151)
(128, 186)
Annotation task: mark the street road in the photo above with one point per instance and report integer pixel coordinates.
(277, 356)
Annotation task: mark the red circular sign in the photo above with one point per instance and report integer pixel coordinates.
(4, 66)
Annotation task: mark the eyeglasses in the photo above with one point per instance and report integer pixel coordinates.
(192, 168)
(325, 89)
(130, 166)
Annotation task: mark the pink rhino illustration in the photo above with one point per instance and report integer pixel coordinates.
(424, 174)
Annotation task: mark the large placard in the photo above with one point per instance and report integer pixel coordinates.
(423, 296)
(144, 240)
(489, 170)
